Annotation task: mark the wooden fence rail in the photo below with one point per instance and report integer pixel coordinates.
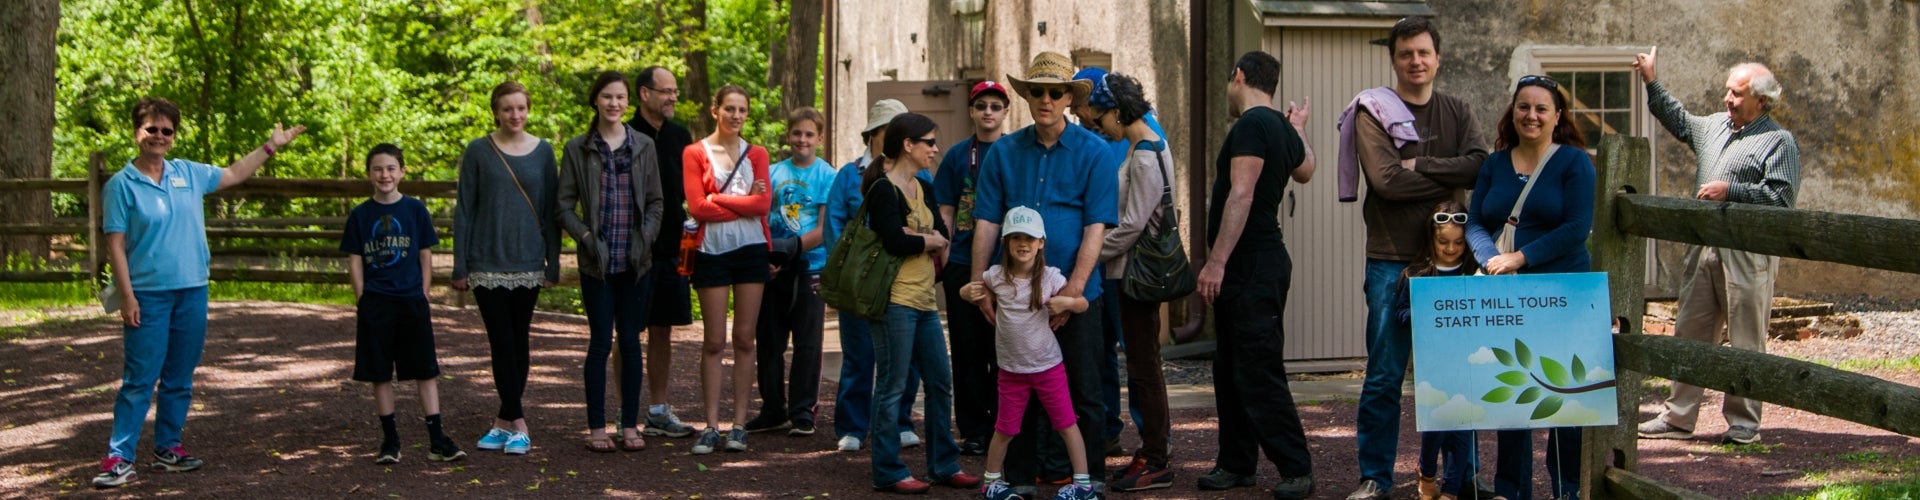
(1624, 220)
(297, 232)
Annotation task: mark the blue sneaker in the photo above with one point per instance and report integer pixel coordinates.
(709, 439)
(1075, 492)
(518, 443)
(495, 439)
(1000, 490)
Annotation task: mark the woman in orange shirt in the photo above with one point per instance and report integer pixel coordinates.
(728, 198)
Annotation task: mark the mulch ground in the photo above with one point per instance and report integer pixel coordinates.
(275, 415)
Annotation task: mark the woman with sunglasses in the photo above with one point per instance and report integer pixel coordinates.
(1542, 157)
(157, 243)
(900, 211)
(1119, 108)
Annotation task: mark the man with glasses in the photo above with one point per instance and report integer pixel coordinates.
(1071, 177)
(1405, 179)
(1743, 157)
(969, 334)
(672, 303)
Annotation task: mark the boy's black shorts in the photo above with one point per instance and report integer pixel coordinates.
(394, 335)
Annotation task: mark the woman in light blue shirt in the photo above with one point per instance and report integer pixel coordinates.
(157, 243)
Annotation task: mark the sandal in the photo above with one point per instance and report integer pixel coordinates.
(633, 443)
(600, 444)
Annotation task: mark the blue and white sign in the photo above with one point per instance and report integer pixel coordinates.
(1513, 352)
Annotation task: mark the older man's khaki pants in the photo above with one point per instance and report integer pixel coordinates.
(1728, 288)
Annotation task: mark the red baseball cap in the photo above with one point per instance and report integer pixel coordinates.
(987, 86)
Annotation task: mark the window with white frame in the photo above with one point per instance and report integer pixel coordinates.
(1602, 101)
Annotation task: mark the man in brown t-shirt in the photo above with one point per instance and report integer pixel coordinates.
(1403, 185)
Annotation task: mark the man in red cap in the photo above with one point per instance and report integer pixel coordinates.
(969, 335)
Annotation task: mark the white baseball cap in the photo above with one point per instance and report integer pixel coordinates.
(1025, 221)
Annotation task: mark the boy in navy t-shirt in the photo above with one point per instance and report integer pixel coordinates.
(389, 237)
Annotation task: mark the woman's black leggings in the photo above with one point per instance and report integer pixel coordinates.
(508, 316)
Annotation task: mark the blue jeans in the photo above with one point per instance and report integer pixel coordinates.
(1389, 344)
(1513, 477)
(852, 402)
(617, 304)
(911, 338)
(164, 349)
(1445, 455)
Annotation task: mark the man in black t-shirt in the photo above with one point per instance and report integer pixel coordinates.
(656, 92)
(1245, 278)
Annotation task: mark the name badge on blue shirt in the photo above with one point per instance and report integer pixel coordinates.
(179, 183)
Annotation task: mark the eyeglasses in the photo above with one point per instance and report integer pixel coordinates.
(929, 142)
(1056, 92)
(1443, 218)
(670, 92)
(1539, 80)
(159, 130)
(992, 106)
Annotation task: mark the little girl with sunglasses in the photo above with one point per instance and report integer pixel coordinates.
(1446, 254)
(1024, 291)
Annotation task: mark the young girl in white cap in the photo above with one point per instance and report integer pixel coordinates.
(1023, 290)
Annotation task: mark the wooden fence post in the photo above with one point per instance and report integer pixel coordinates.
(1624, 167)
(96, 213)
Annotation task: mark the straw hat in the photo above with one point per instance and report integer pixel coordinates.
(1051, 68)
(882, 112)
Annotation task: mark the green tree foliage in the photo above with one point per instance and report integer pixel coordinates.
(360, 72)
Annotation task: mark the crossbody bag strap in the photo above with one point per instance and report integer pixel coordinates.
(537, 223)
(1166, 193)
(1513, 219)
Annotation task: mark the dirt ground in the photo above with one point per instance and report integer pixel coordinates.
(275, 415)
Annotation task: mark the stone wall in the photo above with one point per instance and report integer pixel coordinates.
(1147, 39)
(1843, 64)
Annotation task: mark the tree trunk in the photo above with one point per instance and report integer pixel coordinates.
(26, 106)
(796, 63)
(697, 87)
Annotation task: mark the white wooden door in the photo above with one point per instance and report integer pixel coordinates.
(1326, 309)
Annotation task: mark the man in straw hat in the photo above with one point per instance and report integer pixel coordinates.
(851, 410)
(1071, 177)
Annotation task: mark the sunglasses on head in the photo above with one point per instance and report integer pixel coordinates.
(991, 106)
(160, 130)
(1539, 80)
(922, 140)
(1055, 93)
(1443, 218)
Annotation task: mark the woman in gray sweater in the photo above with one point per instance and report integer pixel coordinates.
(506, 248)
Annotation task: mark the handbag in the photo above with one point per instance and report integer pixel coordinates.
(694, 231)
(858, 277)
(1505, 241)
(1157, 265)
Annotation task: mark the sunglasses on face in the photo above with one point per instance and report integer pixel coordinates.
(167, 132)
(923, 140)
(1443, 218)
(1055, 93)
(1539, 80)
(993, 106)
